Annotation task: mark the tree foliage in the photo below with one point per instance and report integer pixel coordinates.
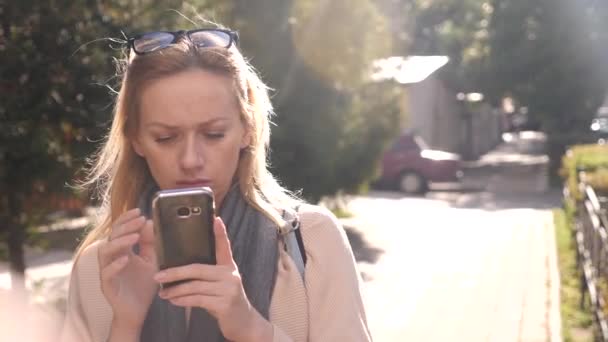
(48, 107)
(56, 64)
(549, 56)
(331, 123)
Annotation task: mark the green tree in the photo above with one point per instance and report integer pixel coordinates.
(454, 28)
(48, 109)
(551, 57)
(55, 66)
(331, 123)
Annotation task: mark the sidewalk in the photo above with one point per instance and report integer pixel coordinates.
(517, 165)
(466, 266)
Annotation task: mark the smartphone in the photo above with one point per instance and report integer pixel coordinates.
(183, 226)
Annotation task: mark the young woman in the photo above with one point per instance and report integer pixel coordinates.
(192, 112)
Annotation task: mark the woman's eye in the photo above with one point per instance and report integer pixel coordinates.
(164, 139)
(215, 135)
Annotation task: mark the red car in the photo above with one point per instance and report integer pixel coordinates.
(410, 166)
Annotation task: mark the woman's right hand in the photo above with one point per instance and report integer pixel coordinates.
(126, 277)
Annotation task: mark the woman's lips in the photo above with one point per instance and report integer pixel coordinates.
(193, 183)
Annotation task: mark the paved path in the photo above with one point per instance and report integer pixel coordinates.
(465, 266)
(457, 274)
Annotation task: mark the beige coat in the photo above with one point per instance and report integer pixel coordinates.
(326, 306)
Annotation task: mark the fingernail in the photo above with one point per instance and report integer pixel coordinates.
(160, 276)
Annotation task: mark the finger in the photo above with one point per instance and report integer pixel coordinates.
(128, 215)
(223, 253)
(131, 226)
(146, 242)
(113, 249)
(195, 287)
(192, 271)
(210, 303)
(110, 271)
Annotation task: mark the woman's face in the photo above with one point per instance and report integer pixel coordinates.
(190, 132)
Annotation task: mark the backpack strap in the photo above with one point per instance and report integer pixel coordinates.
(292, 239)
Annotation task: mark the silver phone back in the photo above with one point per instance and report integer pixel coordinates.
(184, 236)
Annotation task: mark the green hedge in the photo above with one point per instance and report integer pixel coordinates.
(593, 159)
(577, 321)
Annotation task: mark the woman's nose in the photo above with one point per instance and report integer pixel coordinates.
(192, 154)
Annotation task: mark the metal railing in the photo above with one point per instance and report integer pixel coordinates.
(592, 255)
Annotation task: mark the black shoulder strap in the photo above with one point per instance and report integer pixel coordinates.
(301, 244)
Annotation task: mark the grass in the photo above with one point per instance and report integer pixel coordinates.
(341, 212)
(337, 204)
(590, 158)
(577, 323)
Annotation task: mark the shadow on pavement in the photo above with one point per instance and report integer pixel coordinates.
(485, 200)
(362, 250)
(502, 200)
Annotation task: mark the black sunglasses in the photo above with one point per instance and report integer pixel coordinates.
(153, 41)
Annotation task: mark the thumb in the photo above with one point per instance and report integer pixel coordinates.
(223, 251)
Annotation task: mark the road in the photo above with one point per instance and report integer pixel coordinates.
(458, 266)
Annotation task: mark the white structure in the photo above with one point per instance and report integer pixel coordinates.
(434, 111)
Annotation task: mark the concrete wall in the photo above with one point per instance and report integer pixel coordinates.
(487, 129)
(433, 113)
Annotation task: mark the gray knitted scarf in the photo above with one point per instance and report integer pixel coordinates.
(253, 238)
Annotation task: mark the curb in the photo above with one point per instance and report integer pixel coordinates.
(554, 305)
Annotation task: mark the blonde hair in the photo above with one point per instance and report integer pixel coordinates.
(113, 167)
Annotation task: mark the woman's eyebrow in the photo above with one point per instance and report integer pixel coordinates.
(214, 120)
(161, 125)
(202, 124)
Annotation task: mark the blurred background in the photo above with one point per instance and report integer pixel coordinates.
(461, 143)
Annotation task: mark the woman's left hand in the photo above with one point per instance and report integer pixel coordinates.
(219, 290)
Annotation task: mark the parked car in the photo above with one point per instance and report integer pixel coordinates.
(410, 165)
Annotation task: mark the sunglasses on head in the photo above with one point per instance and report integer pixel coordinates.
(202, 38)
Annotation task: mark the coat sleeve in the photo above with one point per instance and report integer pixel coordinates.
(88, 314)
(74, 327)
(333, 283)
(279, 335)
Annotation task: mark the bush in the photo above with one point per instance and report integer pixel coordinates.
(593, 160)
(598, 180)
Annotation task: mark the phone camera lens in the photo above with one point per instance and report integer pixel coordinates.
(196, 210)
(183, 212)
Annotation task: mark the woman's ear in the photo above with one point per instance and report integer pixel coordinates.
(137, 147)
(245, 141)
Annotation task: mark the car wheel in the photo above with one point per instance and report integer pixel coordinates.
(412, 183)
